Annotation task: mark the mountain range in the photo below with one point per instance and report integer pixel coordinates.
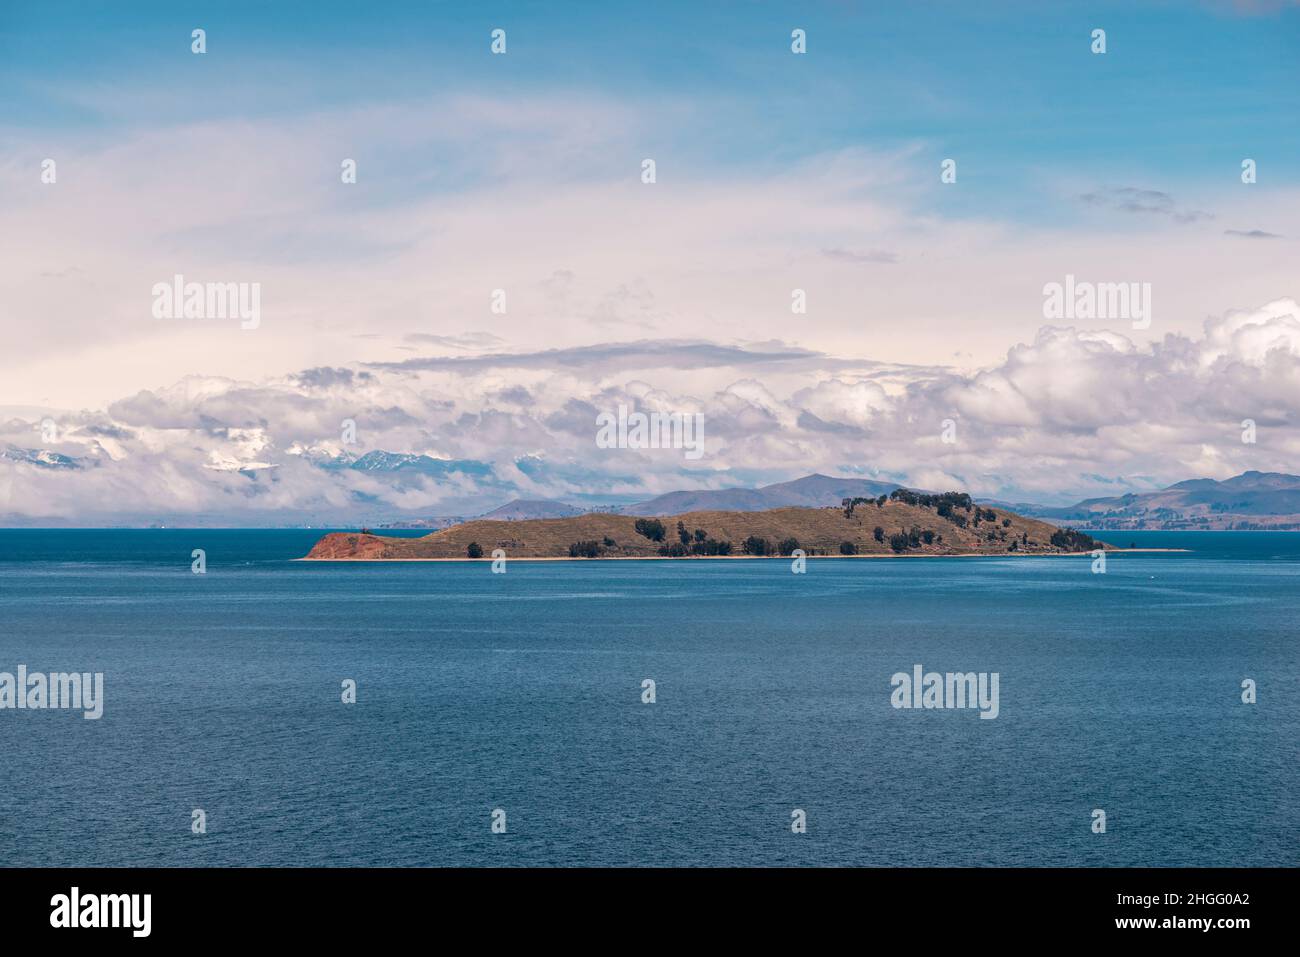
(1252, 500)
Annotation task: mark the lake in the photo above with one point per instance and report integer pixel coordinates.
(523, 692)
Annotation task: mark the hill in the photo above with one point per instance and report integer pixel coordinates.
(909, 524)
(523, 509)
(1252, 500)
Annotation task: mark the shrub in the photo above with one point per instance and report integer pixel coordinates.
(475, 550)
(651, 528)
(1068, 538)
(610, 543)
(848, 548)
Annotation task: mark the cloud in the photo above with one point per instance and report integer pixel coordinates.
(325, 377)
(1071, 412)
(1148, 202)
(540, 196)
(870, 256)
(469, 341)
(697, 354)
(1251, 234)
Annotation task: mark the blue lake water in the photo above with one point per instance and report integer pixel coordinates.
(522, 692)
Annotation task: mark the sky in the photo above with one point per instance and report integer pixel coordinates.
(522, 172)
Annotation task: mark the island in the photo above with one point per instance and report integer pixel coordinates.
(903, 523)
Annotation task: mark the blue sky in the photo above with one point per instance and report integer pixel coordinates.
(776, 172)
(1010, 89)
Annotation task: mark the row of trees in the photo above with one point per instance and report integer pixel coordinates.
(707, 546)
(944, 502)
(912, 538)
(761, 546)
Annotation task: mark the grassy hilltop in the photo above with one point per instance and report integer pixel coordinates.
(904, 523)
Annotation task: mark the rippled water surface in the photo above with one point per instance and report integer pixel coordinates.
(523, 692)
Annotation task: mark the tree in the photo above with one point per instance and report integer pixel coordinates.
(848, 548)
(878, 533)
(898, 542)
(610, 543)
(788, 546)
(651, 528)
(584, 550)
(850, 504)
(756, 546)
(927, 536)
(474, 550)
(683, 534)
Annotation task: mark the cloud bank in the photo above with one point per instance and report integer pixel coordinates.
(1073, 412)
